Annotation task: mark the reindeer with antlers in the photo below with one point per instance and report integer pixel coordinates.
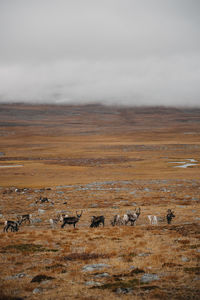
(131, 217)
(71, 220)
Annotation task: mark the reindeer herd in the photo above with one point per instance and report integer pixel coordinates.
(96, 221)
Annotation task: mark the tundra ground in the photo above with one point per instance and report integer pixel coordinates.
(104, 161)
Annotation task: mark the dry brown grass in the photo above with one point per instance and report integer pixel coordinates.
(104, 168)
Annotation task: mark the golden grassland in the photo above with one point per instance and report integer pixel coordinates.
(104, 161)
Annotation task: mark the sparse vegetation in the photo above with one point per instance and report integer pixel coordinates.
(109, 168)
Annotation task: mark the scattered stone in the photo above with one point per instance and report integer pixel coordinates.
(123, 290)
(185, 259)
(41, 211)
(95, 267)
(133, 192)
(37, 220)
(102, 275)
(94, 205)
(93, 283)
(195, 199)
(146, 278)
(144, 254)
(20, 275)
(37, 290)
(16, 276)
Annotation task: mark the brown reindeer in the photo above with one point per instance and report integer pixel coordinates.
(71, 220)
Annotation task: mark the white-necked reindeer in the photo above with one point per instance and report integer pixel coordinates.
(55, 221)
(131, 217)
(117, 220)
(153, 220)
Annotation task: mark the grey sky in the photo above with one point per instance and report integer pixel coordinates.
(114, 51)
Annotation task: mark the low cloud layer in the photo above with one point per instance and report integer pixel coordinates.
(131, 52)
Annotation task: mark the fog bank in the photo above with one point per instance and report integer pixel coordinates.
(131, 52)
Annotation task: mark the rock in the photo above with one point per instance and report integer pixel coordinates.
(102, 275)
(94, 205)
(146, 278)
(195, 199)
(143, 254)
(133, 192)
(1, 216)
(93, 283)
(185, 259)
(41, 211)
(37, 220)
(16, 276)
(20, 275)
(37, 290)
(123, 290)
(94, 267)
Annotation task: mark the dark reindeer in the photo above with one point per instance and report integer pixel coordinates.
(13, 225)
(42, 200)
(71, 220)
(24, 218)
(96, 221)
(170, 215)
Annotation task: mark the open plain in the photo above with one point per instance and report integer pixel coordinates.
(102, 161)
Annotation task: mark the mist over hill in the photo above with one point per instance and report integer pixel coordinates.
(132, 52)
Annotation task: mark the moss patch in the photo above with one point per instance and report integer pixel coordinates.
(27, 248)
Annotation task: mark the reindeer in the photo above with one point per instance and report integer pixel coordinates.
(24, 218)
(96, 221)
(54, 221)
(63, 216)
(153, 220)
(170, 216)
(132, 217)
(117, 220)
(71, 220)
(13, 225)
(42, 200)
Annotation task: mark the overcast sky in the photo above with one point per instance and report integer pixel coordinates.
(128, 52)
